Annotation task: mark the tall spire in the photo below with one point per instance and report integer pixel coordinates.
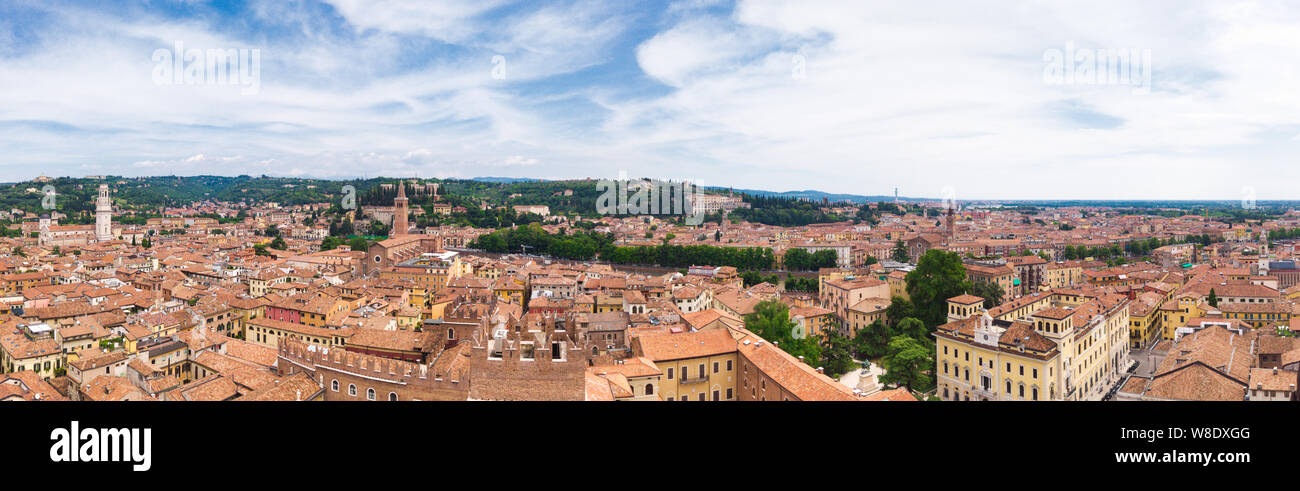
(103, 215)
(399, 210)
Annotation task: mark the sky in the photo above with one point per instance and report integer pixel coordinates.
(966, 99)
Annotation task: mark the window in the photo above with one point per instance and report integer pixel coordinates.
(715, 367)
(526, 351)
(392, 396)
(649, 389)
(728, 365)
(557, 351)
(670, 374)
(701, 370)
(701, 396)
(352, 389)
(334, 385)
(717, 395)
(370, 394)
(729, 394)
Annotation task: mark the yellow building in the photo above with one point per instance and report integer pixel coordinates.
(1144, 320)
(1175, 312)
(1067, 345)
(812, 320)
(427, 274)
(510, 288)
(898, 285)
(268, 332)
(1258, 315)
(696, 366)
(863, 313)
(1061, 275)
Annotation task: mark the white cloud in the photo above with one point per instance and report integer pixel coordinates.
(894, 94)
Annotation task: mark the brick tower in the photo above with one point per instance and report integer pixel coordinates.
(399, 210)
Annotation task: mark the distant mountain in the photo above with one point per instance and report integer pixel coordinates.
(506, 180)
(815, 195)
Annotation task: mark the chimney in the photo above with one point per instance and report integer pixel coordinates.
(821, 370)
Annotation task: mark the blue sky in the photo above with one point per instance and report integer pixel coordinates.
(851, 97)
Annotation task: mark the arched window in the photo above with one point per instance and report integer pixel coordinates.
(352, 390)
(392, 396)
(451, 333)
(649, 389)
(334, 385)
(370, 394)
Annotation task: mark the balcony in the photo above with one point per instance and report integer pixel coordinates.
(689, 381)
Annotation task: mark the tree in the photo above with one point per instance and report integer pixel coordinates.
(825, 258)
(837, 354)
(771, 321)
(899, 308)
(798, 259)
(910, 327)
(1213, 300)
(907, 362)
(358, 244)
(900, 252)
(939, 275)
(279, 244)
(872, 341)
(146, 243)
(330, 243)
(991, 293)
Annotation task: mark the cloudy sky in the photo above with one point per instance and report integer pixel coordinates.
(841, 96)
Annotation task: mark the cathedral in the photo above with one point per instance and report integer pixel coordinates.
(53, 234)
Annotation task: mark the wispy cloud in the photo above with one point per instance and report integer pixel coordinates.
(839, 96)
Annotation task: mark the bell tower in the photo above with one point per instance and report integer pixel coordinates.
(103, 215)
(399, 210)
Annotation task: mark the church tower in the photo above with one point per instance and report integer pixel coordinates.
(103, 215)
(399, 210)
(951, 228)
